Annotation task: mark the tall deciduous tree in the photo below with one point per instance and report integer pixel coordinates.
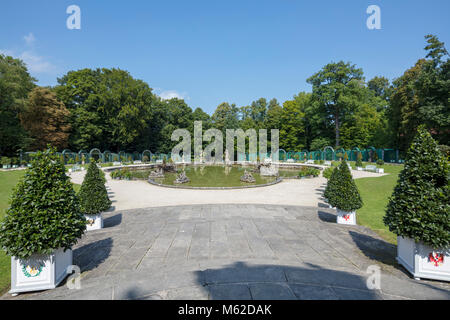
(46, 119)
(330, 89)
(15, 84)
(292, 131)
(422, 96)
(110, 109)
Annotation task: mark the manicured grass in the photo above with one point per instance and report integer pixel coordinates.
(375, 193)
(8, 180)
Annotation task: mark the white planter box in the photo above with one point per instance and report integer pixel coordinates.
(115, 163)
(380, 170)
(327, 163)
(423, 261)
(359, 168)
(345, 217)
(310, 162)
(39, 272)
(95, 222)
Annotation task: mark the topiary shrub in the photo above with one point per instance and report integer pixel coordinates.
(327, 172)
(345, 195)
(93, 195)
(380, 162)
(359, 160)
(331, 185)
(419, 208)
(44, 214)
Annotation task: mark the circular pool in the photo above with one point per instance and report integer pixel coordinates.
(205, 176)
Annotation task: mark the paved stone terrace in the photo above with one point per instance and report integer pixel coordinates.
(235, 251)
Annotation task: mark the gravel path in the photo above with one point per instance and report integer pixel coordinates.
(140, 194)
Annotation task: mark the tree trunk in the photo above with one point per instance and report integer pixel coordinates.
(336, 118)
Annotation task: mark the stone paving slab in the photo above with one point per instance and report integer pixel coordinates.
(240, 251)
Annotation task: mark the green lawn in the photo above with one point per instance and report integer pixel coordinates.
(8, 179)
(375, 193)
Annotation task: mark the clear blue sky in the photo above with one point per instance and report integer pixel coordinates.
(214, 51)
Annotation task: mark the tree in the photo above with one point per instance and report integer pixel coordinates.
(44, 214)
(110, 109)
(15, 84)
(331, 185)
(330, 89)
(380, 87)
(93, 194)
(345, 195)
(46, 119)
(419, 208)
(226, 117)
(421, 96)
(292, 126)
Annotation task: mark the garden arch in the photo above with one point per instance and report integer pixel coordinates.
(325, 153)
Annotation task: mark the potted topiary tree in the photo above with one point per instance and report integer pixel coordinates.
(418, 211)
(94, 197)
(345, 195)
(330, 188)
(41, 225)
(359, 164)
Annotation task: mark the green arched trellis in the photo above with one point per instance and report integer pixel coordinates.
(97, 152)
(325, 153)
(149, 155)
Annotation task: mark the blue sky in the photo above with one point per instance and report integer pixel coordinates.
(208, 52)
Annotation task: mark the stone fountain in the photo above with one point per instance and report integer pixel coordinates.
(182, 178)
(247, 177)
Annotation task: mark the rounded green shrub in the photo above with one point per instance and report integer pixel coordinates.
(380, 162)
(344, 194)
(93, 194)
(419, 208)
(44, 214)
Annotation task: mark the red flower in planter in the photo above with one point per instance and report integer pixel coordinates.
(436, 258)
(346, 217)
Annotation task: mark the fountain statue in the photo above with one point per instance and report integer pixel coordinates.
(268, 168)
(158, 173)
(247, 177)
(182, 178)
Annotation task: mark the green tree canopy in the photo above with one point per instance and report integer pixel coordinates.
(15, 84)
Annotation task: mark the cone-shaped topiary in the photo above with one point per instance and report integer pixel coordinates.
(359, 160)
(331, 184)
(44, 214)
(419, 208)
(345, 195)
(93, 194)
